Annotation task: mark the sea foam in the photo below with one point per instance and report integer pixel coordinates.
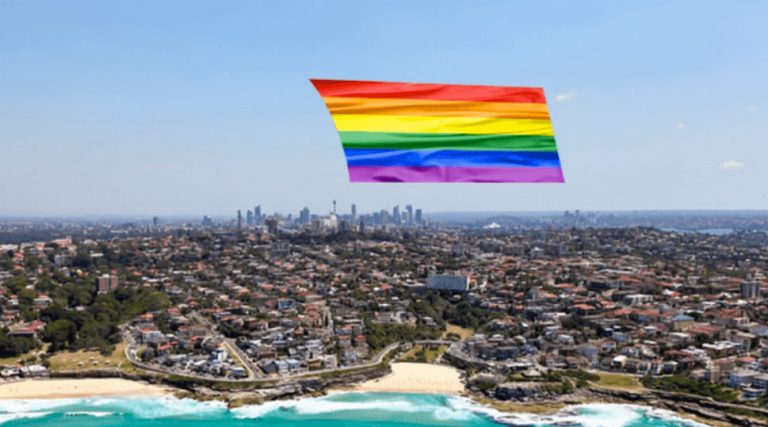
(430, 409)
(360, 402)
(159, 407)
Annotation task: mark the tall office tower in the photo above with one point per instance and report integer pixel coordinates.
(207, 222)
(239, 221)
(418, 218)
(257, 215)
(155, 221)
(249, 217)
(334, 207)
(354, 213)
(304, 216)
(384, 217)
(272, 225)
(409, 215)
(751, 290)
(396, 214)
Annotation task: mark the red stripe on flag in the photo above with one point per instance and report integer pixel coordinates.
(442, 92)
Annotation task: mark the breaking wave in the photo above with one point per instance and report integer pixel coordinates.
(159, 407)
(339, 403)
(419, 408)
(95, 414)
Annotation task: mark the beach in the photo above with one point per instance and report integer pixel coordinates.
(73, 388)
(416, 378)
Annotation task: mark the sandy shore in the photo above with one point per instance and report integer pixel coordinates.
(68, 388)
(416, 378)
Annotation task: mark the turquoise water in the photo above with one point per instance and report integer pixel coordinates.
(338, 410)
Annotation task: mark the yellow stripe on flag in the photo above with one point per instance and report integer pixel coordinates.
(433, 124)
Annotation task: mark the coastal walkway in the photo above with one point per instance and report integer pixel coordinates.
(130, 354)
(434, 342)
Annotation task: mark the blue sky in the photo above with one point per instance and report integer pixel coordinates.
(184, 107)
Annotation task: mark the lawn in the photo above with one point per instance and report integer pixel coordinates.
(422, 354)
(80, 360)
(618, 381)
(464, 333)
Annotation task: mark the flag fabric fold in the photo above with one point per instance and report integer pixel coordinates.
(417, 132)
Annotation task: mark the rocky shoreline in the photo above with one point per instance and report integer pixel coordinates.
(700, 407)
(689, 406)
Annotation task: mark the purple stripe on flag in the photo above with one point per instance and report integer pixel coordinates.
(454, 174)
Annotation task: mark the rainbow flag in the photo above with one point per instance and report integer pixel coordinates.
(418, 132)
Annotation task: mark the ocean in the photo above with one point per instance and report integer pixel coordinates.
(338, 410)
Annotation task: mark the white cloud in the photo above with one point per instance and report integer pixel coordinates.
(563, 97)
(731, 165)
(680, 125)
(752, 109)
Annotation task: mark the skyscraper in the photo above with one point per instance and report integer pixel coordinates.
(418, 218)
(239, 221)
(304, 216)
(257, 218)
(249, 217)
(334, 206)
(272, 225)
(409, 215)
(354, 213)
(396, 214)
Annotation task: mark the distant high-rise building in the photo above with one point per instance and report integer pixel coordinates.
(155, 221)
(396, 215)
(257, 218)
(304, 216)
(207, 222)
(107, 283)
(417, 217)
(751, 290)
(409, 214)
(239, 221)
(249, 217)
(272, 225)
(334, 207)
(353, 211)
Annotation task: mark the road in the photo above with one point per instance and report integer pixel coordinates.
(245, 360)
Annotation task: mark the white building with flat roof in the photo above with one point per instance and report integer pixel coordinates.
(449, 282)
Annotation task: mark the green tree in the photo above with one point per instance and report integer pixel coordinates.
(61, 334)
(11, 346)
